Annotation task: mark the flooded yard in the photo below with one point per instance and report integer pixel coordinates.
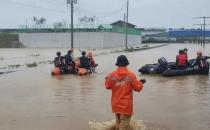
(31, 99)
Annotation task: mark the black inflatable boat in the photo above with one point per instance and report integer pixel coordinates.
(170, 69)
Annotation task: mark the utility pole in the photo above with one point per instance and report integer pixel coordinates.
(72, 25)
(126, 27)
(201, 36)
(71, 3)
(204, 28)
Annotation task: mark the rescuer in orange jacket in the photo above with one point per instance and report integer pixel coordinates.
(122, 82)
(92, 61)
(181, 60)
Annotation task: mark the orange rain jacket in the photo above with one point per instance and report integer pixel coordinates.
(122, 82)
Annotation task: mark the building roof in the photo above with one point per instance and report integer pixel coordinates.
(122, 23)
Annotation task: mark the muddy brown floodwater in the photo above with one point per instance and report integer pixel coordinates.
(31, 99)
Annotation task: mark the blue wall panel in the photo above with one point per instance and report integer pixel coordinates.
(188, 33)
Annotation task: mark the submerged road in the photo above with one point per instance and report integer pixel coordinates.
(31, 99)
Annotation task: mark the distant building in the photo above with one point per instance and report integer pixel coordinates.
(154, 35)
(189, 35)
(123, 24)
(151, 31)
(156, 38)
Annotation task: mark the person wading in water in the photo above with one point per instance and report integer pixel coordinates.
(122, 82)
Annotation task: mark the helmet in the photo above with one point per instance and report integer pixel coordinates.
(122, 61)
(199, 53)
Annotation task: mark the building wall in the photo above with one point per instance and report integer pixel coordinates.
(188, 33)
(118, 40)
(81, 39)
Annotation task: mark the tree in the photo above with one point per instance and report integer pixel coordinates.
(40, 21)
(59, 24)
(87, 20)
(35, 20)
(100, 27)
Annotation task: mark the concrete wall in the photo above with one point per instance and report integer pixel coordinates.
(118, 40)
(81, 39)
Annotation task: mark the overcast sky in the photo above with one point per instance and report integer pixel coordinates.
(143, 13)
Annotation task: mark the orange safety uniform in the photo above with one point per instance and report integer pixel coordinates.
(122, 82)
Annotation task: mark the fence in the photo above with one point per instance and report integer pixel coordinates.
(78, 28)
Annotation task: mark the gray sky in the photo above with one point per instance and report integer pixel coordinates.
(143, 13)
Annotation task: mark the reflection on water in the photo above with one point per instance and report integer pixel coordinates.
(32, 99)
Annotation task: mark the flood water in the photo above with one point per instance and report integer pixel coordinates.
(31, 99)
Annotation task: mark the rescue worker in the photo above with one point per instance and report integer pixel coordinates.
(70, 64)
(181, 60)
(59, 60)
(201, 60)
(92, 61)
(83, 63)
(123, 82)
(68, 58)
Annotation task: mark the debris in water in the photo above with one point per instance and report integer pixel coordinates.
(3, 68)
(129, 49)
(14, 66)
(6, 72)
(44, 62)
(32, 65)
